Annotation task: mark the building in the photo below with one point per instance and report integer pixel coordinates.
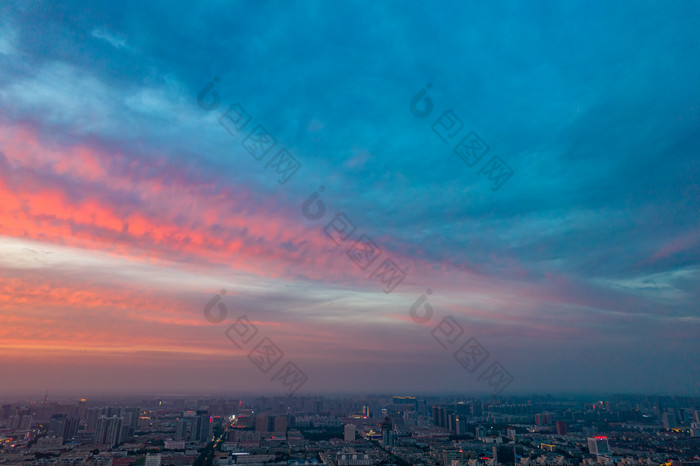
(91, 418)
(13, 421)
(61, 426)
(270, 424)
(598, 445)
(349, 433)
(153, 459)
(174, 444)
(443, 417)
(25, 422)
(131, 418)
(504, 454)
(669, 420)
(448, 456)
(410, 418)
(387, 434)
(71, 428)
(108, 430)
(280, 424)
(353, 459)
(561, 428)
(201, 430)
(406, 402)
(56, 425)
(182, 429)
(451, 421)
(434, 414)
(81, 408)
(206, 429)
(262, 423)
(460, 425)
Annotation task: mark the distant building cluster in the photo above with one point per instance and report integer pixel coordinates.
(352, 431)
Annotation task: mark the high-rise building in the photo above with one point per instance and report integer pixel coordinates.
(410, 418)
(349, 433)
(406, 402)
(71, 428)
(57, 424)
(460, 425)
(204, 431)
(262, 423)
(450, 418)
(387, 434)
(101, 429)
(13, 421)
(598, 445)
(182, 429)
(130, 422)
(265, 423)
(91, 418)
(504, 454)
(422, 407)
(108, 430)
(280, 424)
(669, 420)
(25, 422)
(81, 411)
(440, 416)
(561, 428)
(196, 428)
(131, 417)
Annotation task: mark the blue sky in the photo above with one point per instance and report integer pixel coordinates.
(131, 207)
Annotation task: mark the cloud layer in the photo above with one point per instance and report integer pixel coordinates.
(126, 206)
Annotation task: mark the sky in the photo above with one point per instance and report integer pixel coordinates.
(496, 198)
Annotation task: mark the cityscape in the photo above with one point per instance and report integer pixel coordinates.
(347, 430)
(350, 232)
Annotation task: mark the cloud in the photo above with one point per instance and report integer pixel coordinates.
(148, 205)
(114, 40)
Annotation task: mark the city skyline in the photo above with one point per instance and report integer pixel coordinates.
(496, 200)
(361, 430)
